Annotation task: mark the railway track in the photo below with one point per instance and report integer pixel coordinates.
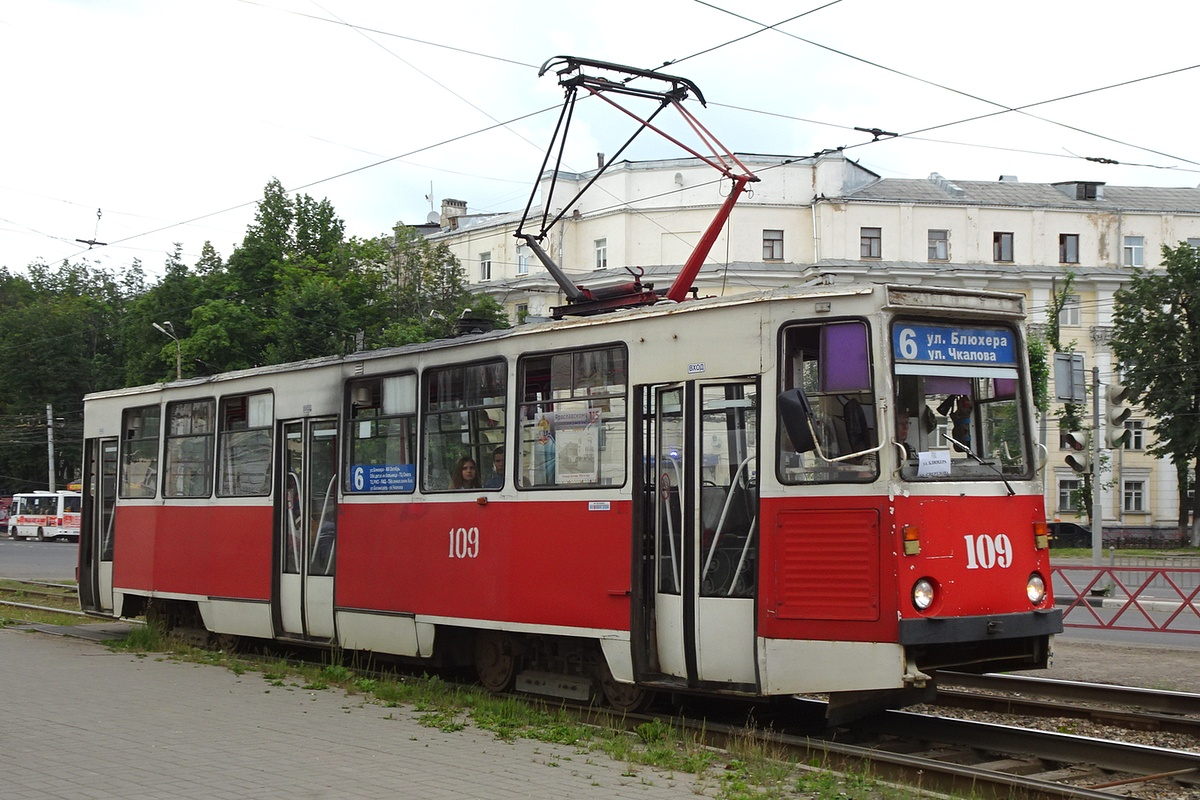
(57, 598)
(1105, 704)
(1009, 761)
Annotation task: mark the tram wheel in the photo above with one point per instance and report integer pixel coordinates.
(495, 661)
(627, 697)
(225, 642)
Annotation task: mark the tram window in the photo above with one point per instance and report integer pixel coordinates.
(139, 451)
(958, 386)
(572, 419)
(188, 461)
(969, 419)
(464, 419)
(244, 464)
(383, 434)
(831, 363)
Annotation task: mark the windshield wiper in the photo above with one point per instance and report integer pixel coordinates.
(970, 454)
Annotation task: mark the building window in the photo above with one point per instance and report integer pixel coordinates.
(1069, 315)
(1194, 242)
(1137, 434)
(870, 242)
(601, 253)
(523, 260)
(1068, 494)
(522, 310)
(485, 266)
(1068, 248)
(939, 245)
(1002, 246)
(772, 245)
(1135, 496)
(1135, 251)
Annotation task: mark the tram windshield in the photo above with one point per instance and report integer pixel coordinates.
(959, 405)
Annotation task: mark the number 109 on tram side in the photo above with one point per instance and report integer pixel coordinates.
(831, 491)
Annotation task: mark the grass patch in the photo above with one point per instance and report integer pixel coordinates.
(51, 597)
(750, 770)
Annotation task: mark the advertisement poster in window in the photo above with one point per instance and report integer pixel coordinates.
(577, 444)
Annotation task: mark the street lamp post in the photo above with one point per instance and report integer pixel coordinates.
(166, 329)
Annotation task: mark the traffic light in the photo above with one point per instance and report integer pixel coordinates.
(1080, 444)
(1115, 433)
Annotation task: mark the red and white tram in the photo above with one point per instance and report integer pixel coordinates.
(709, 496)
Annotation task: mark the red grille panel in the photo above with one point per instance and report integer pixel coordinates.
(828, 565)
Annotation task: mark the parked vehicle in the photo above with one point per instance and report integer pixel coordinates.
(45, 515)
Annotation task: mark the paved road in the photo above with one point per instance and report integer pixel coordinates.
(51, 561)
(81, 721)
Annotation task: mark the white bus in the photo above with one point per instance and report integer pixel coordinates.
(45, 515)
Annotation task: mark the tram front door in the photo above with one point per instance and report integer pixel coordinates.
(705, 529)
(96, 535)
(307, 533)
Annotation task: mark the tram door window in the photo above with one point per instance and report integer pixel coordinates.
(669, 470)
(189, 454)
(728, 489)
(139, 451)
(464, 419)
(308, 526)
(831, 363)
(244, 461)
(573, 418)
(106, 499)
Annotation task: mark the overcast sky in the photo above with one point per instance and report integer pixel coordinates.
(170, 116)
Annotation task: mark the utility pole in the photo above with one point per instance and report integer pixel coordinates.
(1097, 504)
(50, 440)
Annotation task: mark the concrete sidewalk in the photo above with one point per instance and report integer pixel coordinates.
(79, 721)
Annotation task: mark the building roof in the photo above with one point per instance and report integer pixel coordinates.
(938, 190)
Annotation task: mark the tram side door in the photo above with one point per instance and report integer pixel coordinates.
(307, 529)
(96, 537)
(706, 525)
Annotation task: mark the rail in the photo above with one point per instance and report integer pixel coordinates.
(1152, 595)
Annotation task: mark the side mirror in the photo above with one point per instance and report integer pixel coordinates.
(796, 415)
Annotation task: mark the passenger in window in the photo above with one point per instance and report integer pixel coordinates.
(959, 410)
(466, 474)
(496, 480)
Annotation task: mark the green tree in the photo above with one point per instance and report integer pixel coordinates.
(430, 292)
(57, 335)
(1156, 337)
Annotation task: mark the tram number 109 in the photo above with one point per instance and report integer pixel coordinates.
(985, 552)
(464, 542)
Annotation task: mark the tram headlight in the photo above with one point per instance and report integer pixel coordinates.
(922, 594)
(1035, 589)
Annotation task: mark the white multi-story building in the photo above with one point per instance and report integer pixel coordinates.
(825, 218)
